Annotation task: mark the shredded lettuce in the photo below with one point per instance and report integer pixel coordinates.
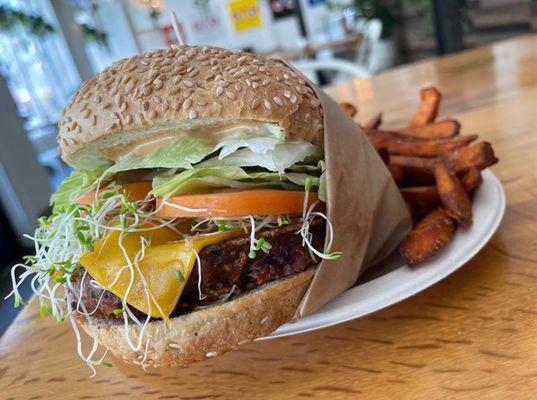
(185, 151)
(179, 153)
(72, 187)
(278, 159)
(259, 139)
(199, 179)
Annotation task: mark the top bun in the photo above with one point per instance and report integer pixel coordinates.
(179, 89)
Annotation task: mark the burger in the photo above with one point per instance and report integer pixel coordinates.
(194, 218)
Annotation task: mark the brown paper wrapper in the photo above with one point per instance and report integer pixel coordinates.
(365, 207)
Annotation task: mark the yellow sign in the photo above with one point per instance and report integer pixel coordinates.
(245, 14)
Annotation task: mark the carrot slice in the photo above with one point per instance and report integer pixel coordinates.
(234, 203)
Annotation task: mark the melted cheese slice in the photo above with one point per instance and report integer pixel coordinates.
(154, 281)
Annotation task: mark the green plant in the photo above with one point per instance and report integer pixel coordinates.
(384, 10)
(10, 19)
(94, 35)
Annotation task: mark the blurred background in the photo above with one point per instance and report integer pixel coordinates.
(49, 47)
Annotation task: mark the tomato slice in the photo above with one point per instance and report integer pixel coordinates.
(135, 191)
(234, 203)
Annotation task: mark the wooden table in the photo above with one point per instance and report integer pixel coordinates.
(310, 50)
(473, 335)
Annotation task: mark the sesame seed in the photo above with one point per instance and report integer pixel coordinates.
(187, 104)
(255, 85)
(157, 99)
(265, 82)
(188, 83)
(267, 104)
(255, 103)
(287, 93)
(123, 107)
(293, 99)
(278, 101)
(86, 113)
(238, 87)
(231, 95)
(157, 83)
(146, 90)
(219, 91)
(192, 114)
(241, 59)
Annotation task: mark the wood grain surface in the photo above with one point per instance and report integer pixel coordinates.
(473, 335)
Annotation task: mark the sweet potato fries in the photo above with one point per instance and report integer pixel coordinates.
(437, 171)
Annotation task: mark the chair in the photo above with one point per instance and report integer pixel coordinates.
(343, 67)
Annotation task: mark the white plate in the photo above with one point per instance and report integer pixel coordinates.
(394, 283)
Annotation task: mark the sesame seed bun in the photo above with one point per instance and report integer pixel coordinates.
(183, 89)
(208, 332)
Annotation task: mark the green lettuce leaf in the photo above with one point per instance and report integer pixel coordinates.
(179, 153)
(200, 179)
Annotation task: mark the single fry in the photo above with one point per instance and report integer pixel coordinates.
(397, 172)
(454, 197)
(479, 155)
(349, 108)
(397, 144)
(374, 122)
(414, 165)
(472, 180)
(428, 237)
(428, 110)
(420, 194)
(441, 129)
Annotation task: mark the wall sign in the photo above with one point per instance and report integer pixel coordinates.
(245, 14)
(282, 8)
(202, 19)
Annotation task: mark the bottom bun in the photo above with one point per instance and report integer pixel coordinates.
(207, 332)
